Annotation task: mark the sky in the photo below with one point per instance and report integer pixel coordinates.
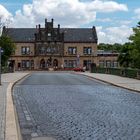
(113, 19)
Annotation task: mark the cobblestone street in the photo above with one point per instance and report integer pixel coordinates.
(67, 106)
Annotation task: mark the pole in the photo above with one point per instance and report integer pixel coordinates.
(0, 65)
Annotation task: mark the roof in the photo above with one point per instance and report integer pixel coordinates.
(70, 34)
(79, 35)
(21, 34)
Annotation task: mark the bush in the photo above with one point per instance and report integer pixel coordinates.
(131, 73)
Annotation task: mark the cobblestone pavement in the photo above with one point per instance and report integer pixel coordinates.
(73, 107)
(2, 109)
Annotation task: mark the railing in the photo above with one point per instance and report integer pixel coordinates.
(125, 72)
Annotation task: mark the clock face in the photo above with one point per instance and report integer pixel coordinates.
(49, 34)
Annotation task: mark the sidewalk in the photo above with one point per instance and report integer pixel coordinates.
(128, 83)
(7, 79)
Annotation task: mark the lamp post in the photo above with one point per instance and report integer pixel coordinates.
(30, 60)
(1, 51)
(0, 65)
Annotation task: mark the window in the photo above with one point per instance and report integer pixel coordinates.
(87, 63)
(54, 49)
(87, 50)
(25, 64)
(115, 64)
(65, 63)
(108, 63)
(70, 63)
(42, 50)
(32, 64)
(72, 50)
(101, 63)
(25, 50)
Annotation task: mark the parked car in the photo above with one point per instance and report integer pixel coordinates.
(79, 69)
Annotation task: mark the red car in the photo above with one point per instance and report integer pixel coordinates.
(79, 69)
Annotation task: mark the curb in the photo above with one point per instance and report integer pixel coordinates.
(12, 129)
(134, 90)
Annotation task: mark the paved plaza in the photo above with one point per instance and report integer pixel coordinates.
(66, 106)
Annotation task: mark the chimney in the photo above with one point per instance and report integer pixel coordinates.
(45, 22)
(52, 20)
(58, 28)
(39, 26)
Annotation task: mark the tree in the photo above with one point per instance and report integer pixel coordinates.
(5, 42)
(110, 47)
(125, 58)
(135, 39)
(130, 52)
(8, 46)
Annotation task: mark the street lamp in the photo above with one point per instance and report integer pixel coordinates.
(30, 60)
(1, 51)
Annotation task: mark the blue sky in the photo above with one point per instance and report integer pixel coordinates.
(113, 19)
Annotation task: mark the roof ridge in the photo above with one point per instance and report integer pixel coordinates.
(44, 28)
(20, 28)
(76, 28)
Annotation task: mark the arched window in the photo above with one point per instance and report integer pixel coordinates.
(42, 63)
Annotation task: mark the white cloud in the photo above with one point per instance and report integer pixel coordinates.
(5, 17)
(125, 22)
(106, 6)
(4, 14)
(114, 34)
(69, 13)
(137, 13)
(104, 19)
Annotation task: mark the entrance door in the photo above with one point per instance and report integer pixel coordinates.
(11, 65)
(87, 64)
(42, 64)
(55, 63)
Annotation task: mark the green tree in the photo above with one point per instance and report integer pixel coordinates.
(8, 46)
(110, 47)
(125, 58)
(130, 52)
(135, 39)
